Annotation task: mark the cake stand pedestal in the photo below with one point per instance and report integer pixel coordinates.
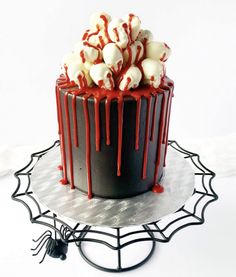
(120, 226)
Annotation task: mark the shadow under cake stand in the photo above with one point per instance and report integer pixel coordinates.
(121, 226)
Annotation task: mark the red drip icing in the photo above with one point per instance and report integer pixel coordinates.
(85, 82)
(88, 146)
(60, 167)
(138, 54)
(93, 34)
(130, 25)
(81, 81)
(102, 42)
(138, 109)
(127, 84)
(69, 139)
(145, 47)
(160, 138)
(109, 76)
(168, 123)
(97, 123)
(129, 62)
(154, 118)
(119, 66)
(61, 132)
(116, 34)
(85, 35)
(108, 105)
(125, 26)
(157, 188)
(82, 56)
(66, 72)
(86, 43)
(76, 143)
(100, 83)
(64, 182)
(145, 152)
(163, 58)
(103, 17)
(120, 133)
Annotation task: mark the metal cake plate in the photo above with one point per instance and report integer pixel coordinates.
(178, 182)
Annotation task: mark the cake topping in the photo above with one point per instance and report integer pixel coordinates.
(113, 58)
(153, 71)
(116, 53)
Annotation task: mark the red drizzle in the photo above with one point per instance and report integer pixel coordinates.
(85, 36)
(138, 109)
(160, 138)
(102, 42)
(130, 25)
(97, 123)
(129, 50)
(69, 140)
(139, 48)
(168, 120)
(103, 17)
(82, 56)
(154, 118)
(145, 152)
(76, 143)
(116, 34)
(120, 133)
(108, 105)
(61, 82)
(88, 146)
(127, 84)
(158, 188)
(93, 34)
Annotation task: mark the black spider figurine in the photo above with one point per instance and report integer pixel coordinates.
(55, 248)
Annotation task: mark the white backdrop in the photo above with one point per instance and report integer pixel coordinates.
(34, 36)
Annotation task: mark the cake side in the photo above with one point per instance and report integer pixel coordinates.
(113, 144)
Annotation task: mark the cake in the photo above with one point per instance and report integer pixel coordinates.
(113, 105)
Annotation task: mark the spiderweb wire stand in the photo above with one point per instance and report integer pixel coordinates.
(120, 226)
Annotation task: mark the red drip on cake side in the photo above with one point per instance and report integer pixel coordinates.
(99, 94)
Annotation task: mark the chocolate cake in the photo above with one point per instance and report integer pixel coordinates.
(113, 106)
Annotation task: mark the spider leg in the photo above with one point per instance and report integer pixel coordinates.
(46, 236)
(47, 231)
(35, 254)
(44, 255)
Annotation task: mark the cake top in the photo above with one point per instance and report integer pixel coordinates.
(116, 54)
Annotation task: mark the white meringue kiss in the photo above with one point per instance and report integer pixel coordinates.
(133, 53)
(158, 51)
(88, 53)
(145, 36)
(130, 79)
(99, 20)
(102, 76)
(153, 72)
(134, 24)
(118, 32)
(79, 74)
(68, 59)
(113, 57)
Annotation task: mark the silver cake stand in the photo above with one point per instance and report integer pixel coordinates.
(115, 225)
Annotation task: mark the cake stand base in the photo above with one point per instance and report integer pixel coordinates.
(119, 267)
(120, 235)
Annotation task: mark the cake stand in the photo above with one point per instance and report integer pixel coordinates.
(121, 226)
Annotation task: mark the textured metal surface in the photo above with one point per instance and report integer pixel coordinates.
(145, 208)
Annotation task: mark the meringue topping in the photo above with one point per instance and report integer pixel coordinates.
(116, 53)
